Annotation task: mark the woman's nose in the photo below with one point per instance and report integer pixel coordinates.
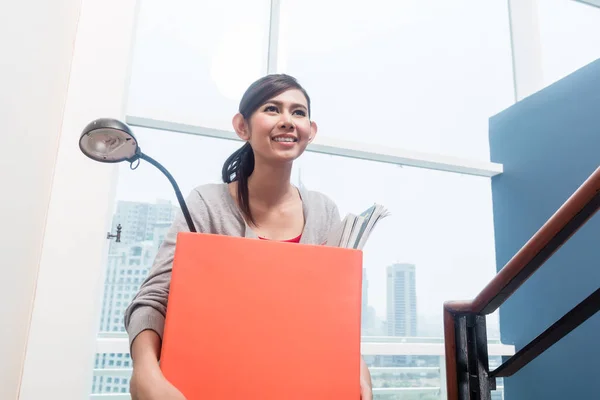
(286, 121)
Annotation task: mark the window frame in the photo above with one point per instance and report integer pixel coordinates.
(344, 148)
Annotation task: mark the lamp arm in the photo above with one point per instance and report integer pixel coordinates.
(184, 209)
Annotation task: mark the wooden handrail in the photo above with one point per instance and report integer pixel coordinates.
(550, 237)
(450, 348)
(573, 214)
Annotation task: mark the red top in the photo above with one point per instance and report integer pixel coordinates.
(294, 240)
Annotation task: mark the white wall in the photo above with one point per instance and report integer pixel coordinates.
(64, 63)
(36, 38)
(65, 318)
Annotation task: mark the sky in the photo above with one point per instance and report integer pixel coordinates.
(422, 76)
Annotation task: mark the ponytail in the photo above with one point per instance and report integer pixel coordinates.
(238, 168)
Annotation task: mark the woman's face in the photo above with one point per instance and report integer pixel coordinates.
(280, 129)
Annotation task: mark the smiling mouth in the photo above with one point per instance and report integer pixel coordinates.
(285, 139)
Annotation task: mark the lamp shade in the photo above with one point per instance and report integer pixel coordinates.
(108, 140)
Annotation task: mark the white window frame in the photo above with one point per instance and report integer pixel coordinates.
(62, 340)
(338, 147)
(526, 47)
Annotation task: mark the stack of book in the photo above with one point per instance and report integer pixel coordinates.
(354, 230)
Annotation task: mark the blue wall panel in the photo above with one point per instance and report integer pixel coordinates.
(549, 144)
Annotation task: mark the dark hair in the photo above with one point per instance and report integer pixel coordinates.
(240, 165)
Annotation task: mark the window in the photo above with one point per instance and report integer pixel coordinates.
(408, 74)
(400, 74)
(569, 35)
(187, 56)
(440, 223)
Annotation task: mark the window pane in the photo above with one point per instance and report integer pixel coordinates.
(193, 59)
(570, 37)
(437, 244)
(421, 75)
(192, 160)
(414, 377)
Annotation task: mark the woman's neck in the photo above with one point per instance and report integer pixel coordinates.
(270, 185)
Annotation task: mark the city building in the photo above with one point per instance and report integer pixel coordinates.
(401, 300)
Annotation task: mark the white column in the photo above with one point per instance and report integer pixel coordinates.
(36, 38)
(64, 322)
(526, 47)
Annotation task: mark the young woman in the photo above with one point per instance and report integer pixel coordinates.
(256, 200)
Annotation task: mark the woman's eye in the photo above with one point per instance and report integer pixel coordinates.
(271, 109)
(300, 112)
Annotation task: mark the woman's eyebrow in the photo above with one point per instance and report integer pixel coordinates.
(293, 105)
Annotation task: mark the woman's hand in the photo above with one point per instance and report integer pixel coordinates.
(366, 388)
(147, 380)
(148, 383)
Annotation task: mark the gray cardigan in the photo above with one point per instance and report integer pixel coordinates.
(213, 210)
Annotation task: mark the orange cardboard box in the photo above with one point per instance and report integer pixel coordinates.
(254, 319)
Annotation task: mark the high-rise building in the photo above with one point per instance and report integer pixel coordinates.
(144, 228)
(127, 268)
(139, 219)
(401, 300)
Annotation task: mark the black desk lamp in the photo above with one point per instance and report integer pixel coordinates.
(111, 141)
